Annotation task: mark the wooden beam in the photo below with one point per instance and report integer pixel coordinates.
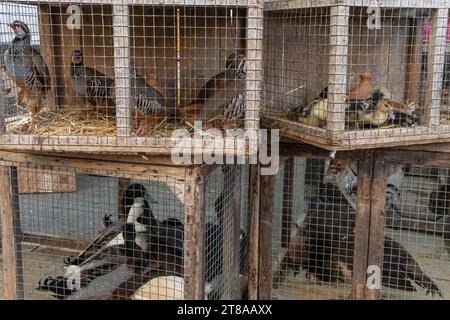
(288, 190)
(194, 235)
(253, 255)
(377, 209)
(11, 235)
(365, 169)
(118, 169)
(265, 237)
(54, 241)
(413, 66)
(337, 77)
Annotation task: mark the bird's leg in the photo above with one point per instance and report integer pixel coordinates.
(142, 128)
(21, 95)
(32, 111)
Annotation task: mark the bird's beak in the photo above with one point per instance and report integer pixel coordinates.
(12, 25)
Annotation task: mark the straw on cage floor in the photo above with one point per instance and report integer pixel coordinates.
(75, 121)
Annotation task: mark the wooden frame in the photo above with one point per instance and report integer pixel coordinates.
(334, 136)
(189, 187)
(373, 167)
(123, 44)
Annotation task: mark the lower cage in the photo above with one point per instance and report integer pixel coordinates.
(313, 241)
(100, 234)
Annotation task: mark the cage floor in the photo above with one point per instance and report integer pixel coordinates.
(428, 252)
(39, 261)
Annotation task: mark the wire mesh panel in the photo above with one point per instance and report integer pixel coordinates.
(313, 237)
(355, 74)
(110, 237)
(416, 257)
(127, 74)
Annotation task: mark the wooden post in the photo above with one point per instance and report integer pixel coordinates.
(265, 238)
(11, 234)
(2, 105)
(413, 71)
(337, 78)
(231, 244)
(253, 255)
(435, 67)
(194, 234)
(377, 208)
(365, 169)
(121, 32)
(288, 190)
(254, 76)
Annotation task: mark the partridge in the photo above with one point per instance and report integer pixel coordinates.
(147, 100)
(223, 96)
(91, 84)
(25, 65)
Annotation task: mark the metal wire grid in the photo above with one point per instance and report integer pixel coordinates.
(416, 252)
(225, 267)
(175, 49)
(56, 226)
(382, 73)
(312, 234)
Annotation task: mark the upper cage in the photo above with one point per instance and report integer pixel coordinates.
(124, 75)
(356, 74)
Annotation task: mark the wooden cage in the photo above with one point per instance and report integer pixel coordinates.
(176, 47)
(347, 75)
(74, 245)
(332, 225)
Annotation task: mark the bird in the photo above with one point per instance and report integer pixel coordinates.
(363, 89)
(315, 113)
(324, 246)
(377, 112)
(113, 266)
(223, 96)
(139, 213)
(91, 84)
(147, 102)
(25, 65)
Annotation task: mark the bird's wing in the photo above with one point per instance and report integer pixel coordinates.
(101, 241)
(228, 97)
(39, 64)
(410, 268)
(217, 81)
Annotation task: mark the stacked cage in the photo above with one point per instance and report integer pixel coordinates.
(80, 230)
(125, 75)
(323, 248)
(355, 74)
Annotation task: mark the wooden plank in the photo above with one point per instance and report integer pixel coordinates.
(435, 67)
(2, 103)
(288, 190)
(117, 169)
(413, 66)
(337, 79)
(11, 235)
(365, 169)
(194, 235)
(231, 243)
(377, 209)
(47, 47)
(54, 241)
(265, 238)
(42, 180)
(253, 256)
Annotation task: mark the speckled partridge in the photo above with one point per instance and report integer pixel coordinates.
(26, 66)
